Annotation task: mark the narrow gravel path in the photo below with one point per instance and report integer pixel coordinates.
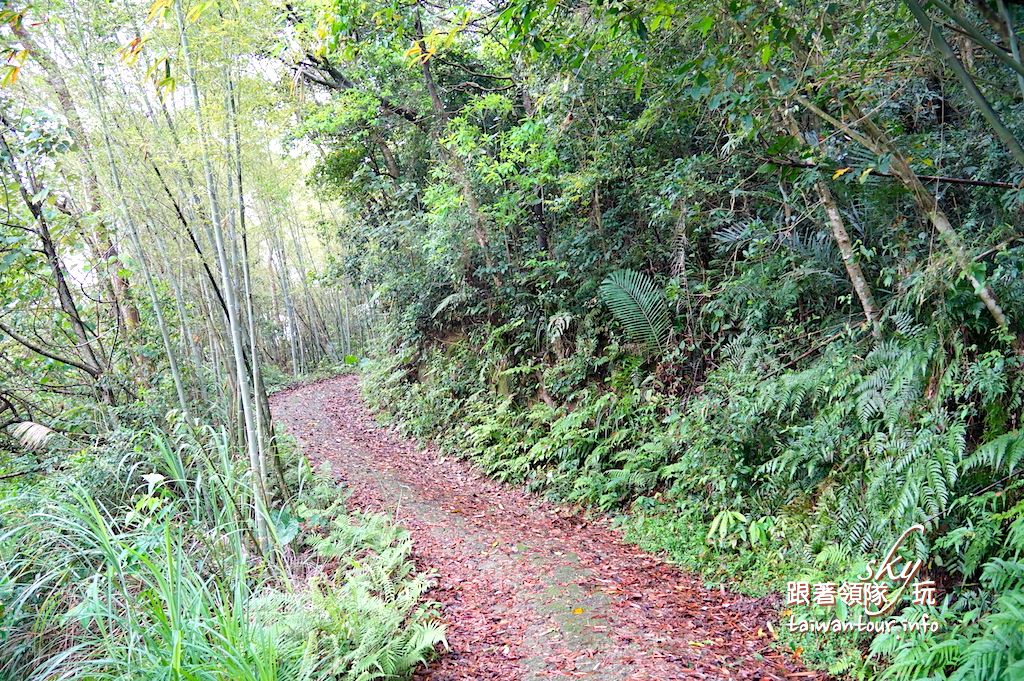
(530, 590)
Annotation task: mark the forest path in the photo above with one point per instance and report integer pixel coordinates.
(530, 590)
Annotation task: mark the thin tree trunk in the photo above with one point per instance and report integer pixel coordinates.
(458, 169)
(1011, 34)
(129, 222)
(946, 52)
(842, 238)
(87, 347)
(172, 359)
(929, 206)
(878, 142)
(264, 424)
(189, 340)
(259, 493)
(125, 310)
(294, 332)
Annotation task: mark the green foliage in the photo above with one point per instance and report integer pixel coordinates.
(764, 471)
(366, 621)
(160, 581)
(615, 282)
(982, 633)
(591, 241)
(639, 306)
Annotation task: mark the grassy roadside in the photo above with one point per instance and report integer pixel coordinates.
(137, 563)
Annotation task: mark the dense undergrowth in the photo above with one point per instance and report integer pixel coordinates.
(768, 473)
(139, 562)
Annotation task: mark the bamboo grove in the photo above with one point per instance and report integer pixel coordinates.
(163, 268)
(153, 234)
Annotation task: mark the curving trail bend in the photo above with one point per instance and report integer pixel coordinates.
(530, 590)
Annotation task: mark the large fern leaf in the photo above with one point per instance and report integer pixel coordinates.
(639, 305)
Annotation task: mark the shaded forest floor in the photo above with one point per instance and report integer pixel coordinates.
(528, 589)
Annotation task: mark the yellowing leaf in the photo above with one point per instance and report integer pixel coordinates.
(12, 19)
(157, 9)
(11, 77)
(196, 12)
(839, 173)
(130, 53)
(577, 611)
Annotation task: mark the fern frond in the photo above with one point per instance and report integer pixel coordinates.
(32, 435)
(639, 305)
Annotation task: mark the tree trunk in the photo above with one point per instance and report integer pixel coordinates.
(458, 169)
(877, 141)
(929, 206)
(125, 310)
(228, 285)
(88, 347)
(172, 360)
(842, 238)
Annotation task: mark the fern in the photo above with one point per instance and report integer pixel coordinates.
(639, 306)
(1002, 454)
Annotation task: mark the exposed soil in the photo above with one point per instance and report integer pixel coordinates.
(528, 589)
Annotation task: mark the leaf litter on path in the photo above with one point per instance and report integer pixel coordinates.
(528, 589)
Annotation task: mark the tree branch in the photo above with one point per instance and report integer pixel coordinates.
(17, 474)
(931, 178)
(92, 371)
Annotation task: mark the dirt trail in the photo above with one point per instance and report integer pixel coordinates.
(530, 590)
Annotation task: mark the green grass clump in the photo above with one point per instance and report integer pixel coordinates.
(162, 581)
